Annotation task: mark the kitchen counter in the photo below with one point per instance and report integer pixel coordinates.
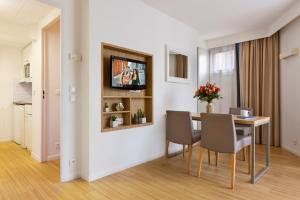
(22, 103)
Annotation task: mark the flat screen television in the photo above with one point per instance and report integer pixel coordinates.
(128, 74)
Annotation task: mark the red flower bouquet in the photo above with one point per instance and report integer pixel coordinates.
(208, 93)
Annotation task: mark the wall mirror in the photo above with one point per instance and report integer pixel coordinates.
(177, 66)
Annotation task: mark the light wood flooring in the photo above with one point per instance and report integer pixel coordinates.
(23, 178)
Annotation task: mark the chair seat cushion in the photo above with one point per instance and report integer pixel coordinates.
(242, 141)
(196, 136)
(243, 130)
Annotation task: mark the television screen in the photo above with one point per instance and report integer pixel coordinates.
(128, 74)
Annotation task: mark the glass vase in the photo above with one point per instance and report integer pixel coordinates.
(209, 107)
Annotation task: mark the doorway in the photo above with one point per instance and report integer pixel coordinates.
(51, 38)
(22, 82)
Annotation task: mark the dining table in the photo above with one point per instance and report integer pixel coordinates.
(253, 122)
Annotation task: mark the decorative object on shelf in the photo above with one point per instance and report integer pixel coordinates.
(119, 107)
(135, 119)
(141, 116)
(114, 122)
(106, 108)
(207, 93)
(120, 121)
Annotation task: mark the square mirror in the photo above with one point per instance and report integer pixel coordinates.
(177, 69)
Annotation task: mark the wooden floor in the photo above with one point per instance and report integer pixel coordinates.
(23, 178)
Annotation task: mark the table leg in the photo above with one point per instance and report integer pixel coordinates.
(253, 154)
(256, 177)
(268, 145)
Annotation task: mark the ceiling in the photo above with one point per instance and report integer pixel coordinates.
(18, 20)
(218, 18)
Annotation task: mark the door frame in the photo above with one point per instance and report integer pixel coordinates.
(44, 118)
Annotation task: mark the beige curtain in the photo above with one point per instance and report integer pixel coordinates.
(181, 61)
(260, 82)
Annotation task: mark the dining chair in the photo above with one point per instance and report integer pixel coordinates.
(241, 129)
(218, 134)
(179, 130)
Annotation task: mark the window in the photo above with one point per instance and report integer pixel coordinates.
(223, 60)
(223, 73)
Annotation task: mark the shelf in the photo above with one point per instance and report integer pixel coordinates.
(115, 97)
(142, 97)
(126, 127)
(124, 97)
(140, 125)
(115, 129)
(116, 112)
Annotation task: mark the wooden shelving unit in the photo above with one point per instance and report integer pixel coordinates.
(116, 112)
(131, 100)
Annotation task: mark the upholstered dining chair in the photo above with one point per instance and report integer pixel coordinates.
(179, 130)
(218, 134)
(241, 129)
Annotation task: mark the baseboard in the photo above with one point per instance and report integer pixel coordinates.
(293, 151)
(53, 157)
(36, 157)
(102, 174)
(6, 140)
(69, 177)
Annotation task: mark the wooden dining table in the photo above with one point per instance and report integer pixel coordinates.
(253, 122)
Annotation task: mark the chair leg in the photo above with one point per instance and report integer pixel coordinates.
(183, 150)
(217, 158)
(233, 164)
(208, 153)
(190, 147)
(244, 154)
(249, 158)
(201, 157)
(167, 149)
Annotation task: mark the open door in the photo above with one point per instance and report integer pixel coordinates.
(51, 91)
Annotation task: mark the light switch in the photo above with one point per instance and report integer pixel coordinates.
(75, 57)
(72, 90)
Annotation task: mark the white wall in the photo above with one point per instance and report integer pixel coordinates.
(74, 115)
(290, 96)
(10, 66)
(135, 25)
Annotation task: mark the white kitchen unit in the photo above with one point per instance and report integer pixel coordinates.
(19, 125)
(26, 68)
(28, 127)
(23, 125)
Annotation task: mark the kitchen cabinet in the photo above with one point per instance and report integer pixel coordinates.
(28, 127)
(23, 125)
(19, 126)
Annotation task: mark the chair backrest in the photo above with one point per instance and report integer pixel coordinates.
(237, 111)
(218, 132)
(179, 127)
